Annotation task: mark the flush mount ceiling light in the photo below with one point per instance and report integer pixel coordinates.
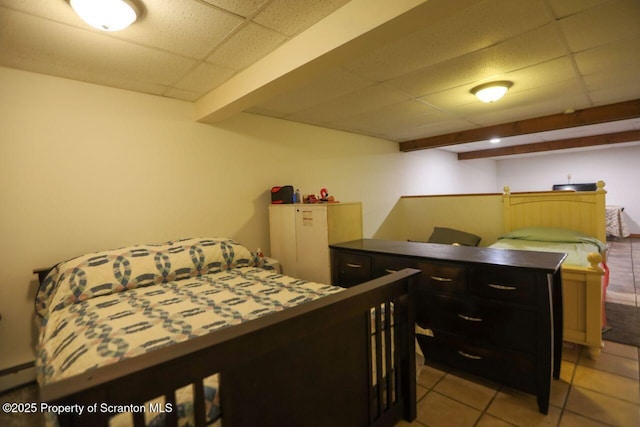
(490, 92)
(107, 15)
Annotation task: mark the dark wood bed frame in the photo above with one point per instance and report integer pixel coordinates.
(309, 365)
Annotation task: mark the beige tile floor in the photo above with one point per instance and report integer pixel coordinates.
(589, 393)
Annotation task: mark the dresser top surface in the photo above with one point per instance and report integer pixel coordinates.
(547, 261)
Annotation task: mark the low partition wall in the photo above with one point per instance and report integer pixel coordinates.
(414, 217)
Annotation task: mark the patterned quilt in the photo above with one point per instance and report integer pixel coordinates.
(104, 307)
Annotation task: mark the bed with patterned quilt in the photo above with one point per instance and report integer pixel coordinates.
(203, 331)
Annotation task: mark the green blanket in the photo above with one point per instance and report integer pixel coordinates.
(547, 239)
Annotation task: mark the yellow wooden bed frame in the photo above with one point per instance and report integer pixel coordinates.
(583, 211)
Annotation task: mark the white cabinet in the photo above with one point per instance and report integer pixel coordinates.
(301, 234)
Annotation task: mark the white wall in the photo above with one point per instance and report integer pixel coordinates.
(617, 166)
(86, 167)
(439, 172)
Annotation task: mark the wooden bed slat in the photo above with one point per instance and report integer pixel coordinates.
(378, 356)
(396, 361)
(171, 419)
(388, 358)
(373, 409)
(138, 419)
(199, 408)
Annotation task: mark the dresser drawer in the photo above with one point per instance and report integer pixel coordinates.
(506, 285)
(350, 269)
(383, 265)
(441, 277)
(509, 367)
(484, 321)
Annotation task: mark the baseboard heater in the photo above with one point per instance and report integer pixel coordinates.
(18, 375)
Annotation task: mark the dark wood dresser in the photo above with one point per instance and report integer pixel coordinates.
(492, 312)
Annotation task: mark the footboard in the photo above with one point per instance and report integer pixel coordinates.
(347, 359)
(582, 300)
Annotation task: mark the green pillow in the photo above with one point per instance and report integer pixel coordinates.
(449, 236)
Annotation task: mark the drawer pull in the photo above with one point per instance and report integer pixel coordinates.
(354, 265)
(469, 318)
(502, 287)
(469, 356)
(441, 279)
(390, 270)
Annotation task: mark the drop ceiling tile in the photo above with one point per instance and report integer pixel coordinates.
(611, 71)
(44, 46)
(541, 75)
(431, 129)
(601, 93)
(307, 120)
(614, 20)
(292, 16)
(204, 78)
(564, 8)
(619, 55)
(529, 48)
(397, 130)
(244, 8)
(354, 103)
(408, 54)
(183, 95)
(59, 11)
(463, 31)
(331, 85)
(186, 27)
(248, 45)
(265, 112)
(540, 46)
(494, 21)
(405, 113)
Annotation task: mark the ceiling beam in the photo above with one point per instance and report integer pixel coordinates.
(357, 26)
(587, 116)
(562, 144)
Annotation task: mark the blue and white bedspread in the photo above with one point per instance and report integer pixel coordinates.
(101, 308)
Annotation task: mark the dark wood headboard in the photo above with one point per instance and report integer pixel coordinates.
(42, 273)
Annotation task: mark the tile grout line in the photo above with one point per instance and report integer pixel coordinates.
(569, 390)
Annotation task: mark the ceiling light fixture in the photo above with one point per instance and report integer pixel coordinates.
(490, 92)
(107, 15)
